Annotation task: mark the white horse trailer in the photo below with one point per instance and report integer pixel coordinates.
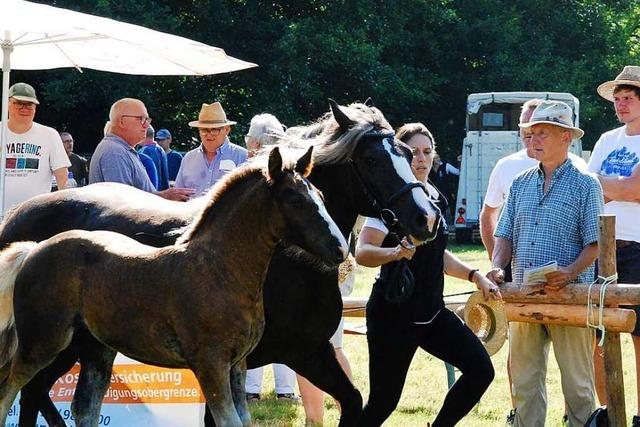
(492, 133)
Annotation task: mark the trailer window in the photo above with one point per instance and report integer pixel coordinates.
(494, 120)
(495, 117)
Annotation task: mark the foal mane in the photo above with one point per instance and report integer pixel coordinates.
(332, 145)
(239, 176)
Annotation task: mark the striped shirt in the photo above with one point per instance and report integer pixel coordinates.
(551, 226)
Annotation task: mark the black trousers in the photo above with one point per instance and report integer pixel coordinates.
(448, 339)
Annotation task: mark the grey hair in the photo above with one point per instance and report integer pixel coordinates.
(63, 134)
(150, 132)
(107, 128)
(117, 106)
(266, 128)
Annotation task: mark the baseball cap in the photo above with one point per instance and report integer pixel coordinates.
(23, 92)
(163, 134)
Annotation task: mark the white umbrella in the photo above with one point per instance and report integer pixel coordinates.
(39, 37)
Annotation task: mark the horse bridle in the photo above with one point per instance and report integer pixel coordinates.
(384, 209)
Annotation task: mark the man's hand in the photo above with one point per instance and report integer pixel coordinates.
(177, 194)
(557, 280)
(496, 275)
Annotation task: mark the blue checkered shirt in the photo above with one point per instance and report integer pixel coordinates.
(551, 226)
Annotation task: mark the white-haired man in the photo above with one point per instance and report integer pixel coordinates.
(554, 198)
(115, 158)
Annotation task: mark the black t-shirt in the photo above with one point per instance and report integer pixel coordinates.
(427, 266)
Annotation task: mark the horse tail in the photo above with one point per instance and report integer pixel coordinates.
(11, 261)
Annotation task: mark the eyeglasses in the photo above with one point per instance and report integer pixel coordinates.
(212, 131)
(24, 105)
(143, 119)
(67, 141)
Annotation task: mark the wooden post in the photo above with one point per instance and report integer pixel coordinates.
(612, 351)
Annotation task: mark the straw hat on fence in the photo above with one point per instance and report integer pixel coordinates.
(487, 320)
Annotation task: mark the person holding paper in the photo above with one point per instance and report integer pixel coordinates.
(550, 200)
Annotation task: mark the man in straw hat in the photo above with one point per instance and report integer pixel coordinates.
(615, 158)
(34, 152)
(115, 158)
(216, 156)
(552, 199)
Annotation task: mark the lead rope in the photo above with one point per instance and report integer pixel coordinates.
(606, 281)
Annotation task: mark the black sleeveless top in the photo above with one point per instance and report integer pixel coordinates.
(427, 266)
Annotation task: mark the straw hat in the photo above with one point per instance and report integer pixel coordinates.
(487, 320)
(555, 113)
(211, 116)
(629, 76)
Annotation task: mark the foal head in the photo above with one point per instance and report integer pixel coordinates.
(301, 209)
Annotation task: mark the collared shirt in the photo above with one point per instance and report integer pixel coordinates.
(116, 161)
(551, 226)
(197, 173)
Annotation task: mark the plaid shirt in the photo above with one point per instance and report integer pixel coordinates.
(551, 226)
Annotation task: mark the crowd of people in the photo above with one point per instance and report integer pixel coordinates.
(538, 192)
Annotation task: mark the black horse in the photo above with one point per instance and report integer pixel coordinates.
(360, 168)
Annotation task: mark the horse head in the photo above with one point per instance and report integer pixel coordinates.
(381, 166)
(302, 211)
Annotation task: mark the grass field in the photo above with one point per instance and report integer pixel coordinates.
(427, 382)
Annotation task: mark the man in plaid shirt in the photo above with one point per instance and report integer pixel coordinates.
(551, 214)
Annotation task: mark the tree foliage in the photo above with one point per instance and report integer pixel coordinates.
(417, 59)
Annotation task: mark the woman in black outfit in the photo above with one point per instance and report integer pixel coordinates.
(395, 328)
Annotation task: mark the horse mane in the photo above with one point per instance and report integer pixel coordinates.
(332, 145)
(246, 173)
(249, 172)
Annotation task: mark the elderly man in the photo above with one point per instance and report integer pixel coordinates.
(174, 159)
(216, 156)
(553, 199)
(615, 159)
(116, 160)
(34, 152)
(79, 165)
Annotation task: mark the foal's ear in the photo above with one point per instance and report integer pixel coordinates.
(369, 102)
(343, 121)
(275, 164)
(304, 164)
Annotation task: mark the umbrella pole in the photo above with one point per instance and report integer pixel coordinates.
(6, 68)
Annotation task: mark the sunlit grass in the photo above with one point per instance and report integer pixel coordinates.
(426, 383)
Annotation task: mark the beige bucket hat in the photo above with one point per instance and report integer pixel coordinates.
(487, 320)
(211, 116)
(630, 75)
(554, 113)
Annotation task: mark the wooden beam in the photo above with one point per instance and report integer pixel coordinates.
(614, 319)
(616, 409)
(574, 293)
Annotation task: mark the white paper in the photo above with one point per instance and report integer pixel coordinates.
(536, 275)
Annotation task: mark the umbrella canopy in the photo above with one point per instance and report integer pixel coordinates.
(44, 37)
(38, 37)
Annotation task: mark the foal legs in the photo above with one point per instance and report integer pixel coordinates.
(213, 375)
(33, 353)
(324, 371)
(97, 363)
(35, 395)
(238, 379)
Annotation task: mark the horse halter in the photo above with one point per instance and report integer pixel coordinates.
(385, 212)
